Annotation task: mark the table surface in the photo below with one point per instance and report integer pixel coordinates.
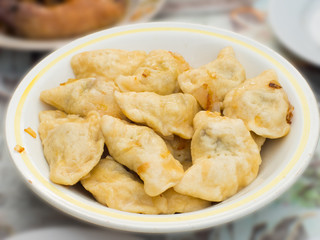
(295, 215)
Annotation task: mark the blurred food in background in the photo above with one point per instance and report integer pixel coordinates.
(39, 25)
(202, 6)
(43, 19)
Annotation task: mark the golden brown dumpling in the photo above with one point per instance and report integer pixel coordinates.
(143, 151)
(168, 115)
(82, 96)
(225, 158)
(211, 82)
(179, 203)
(106, 63)
(72, 145)
(262, 104)
(158, 73)
(112, 185)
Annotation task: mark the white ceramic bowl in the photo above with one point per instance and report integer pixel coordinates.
(283, 160)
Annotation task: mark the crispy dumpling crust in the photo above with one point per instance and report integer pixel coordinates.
(168, 115)
(210, 83)
(224, 155)
(106, 63)
(140, 149)
(262, 104)
(112, 185)
(82, 96)
(72, 145)
(179, 203)
(158, 73)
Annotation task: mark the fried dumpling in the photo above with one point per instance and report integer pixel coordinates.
(210, 83)
(72, 145)
(168, 115)
(181, 150)
(158, 73)
(112, 185)
(179, 203)
(106, 63)
(82, 96)
(225, 158)
(262, 104)
(143, 151)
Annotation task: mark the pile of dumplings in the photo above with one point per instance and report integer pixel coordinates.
(146, 133)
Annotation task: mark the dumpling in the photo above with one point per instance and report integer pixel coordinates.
(181, 150)
(106, 63)
(143, 151)
(168, 115)
(225, 158)
(72, 145)
(211, 82)
(112, 185)
(158, 73)
(51, 119)
(262, 104)
(82, 96)
(179, 203)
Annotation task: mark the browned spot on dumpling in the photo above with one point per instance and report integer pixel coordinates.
(143, 168)
(172, 165)
(146, 73)
(258, 121)
(165, 154)
(212, 99)
(202, 95)
(290, 115)
(274, 85)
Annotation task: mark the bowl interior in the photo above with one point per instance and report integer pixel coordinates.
(283, 160)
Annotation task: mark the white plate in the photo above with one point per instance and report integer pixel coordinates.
(71, 233)
(138, 11)
(296, 25)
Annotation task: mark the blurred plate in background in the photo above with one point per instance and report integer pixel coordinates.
(70, 233)
(138, 11)
(296, 25)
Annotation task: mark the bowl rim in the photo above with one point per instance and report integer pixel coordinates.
(164, 223)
